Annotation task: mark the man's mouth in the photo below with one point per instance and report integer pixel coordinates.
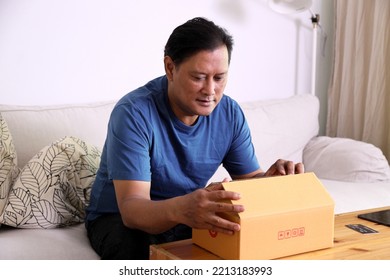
(206, 101)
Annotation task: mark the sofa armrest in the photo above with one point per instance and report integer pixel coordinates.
(345, 159)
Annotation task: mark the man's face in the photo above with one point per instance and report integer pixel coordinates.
(196, 86)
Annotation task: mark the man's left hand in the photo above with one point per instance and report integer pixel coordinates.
(284, 167)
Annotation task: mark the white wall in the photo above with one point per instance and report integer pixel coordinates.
(54, 51)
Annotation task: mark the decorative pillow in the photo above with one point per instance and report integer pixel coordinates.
(53, 189)
(344, 159)
(8, 163)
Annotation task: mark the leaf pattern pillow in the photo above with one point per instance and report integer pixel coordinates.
(53, 189)
(8, 163)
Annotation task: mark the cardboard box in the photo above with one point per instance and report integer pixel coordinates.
(284, 215)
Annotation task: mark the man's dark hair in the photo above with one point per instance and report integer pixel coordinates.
(196, 35)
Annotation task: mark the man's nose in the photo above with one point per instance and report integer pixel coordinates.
(209, 87)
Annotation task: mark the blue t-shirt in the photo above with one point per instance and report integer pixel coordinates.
(146, 142)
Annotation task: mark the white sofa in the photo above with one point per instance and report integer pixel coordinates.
(356, 174)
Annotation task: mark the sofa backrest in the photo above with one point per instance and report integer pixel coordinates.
(34, 127)
(280, 128)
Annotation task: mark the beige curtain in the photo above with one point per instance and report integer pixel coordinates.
(359, 92)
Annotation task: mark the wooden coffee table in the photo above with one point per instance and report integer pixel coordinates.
(348, 244)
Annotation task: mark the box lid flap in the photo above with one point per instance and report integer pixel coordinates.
(270, 195)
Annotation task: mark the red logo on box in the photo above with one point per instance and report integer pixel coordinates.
(291, 233)
(213, 233)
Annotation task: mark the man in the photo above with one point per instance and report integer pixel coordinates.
(165, 140)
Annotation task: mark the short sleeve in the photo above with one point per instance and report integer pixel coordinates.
(241, 158)
(128, 145)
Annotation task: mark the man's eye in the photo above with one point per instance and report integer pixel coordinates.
(199, 78)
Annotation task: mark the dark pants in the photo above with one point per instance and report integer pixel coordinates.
(113, 241)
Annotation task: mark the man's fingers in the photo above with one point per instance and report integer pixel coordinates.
(222, 195)
(215, 186)
(223, 226)
(299, 168)
(227, 207)
(285, 167)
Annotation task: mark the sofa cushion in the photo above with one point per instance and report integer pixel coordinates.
(344, 159)
(67, 243)
(53, 189)
(8, 162)
(43, 125)
(281, 128)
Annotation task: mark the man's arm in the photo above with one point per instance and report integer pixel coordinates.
(280, 167)
(197, 209)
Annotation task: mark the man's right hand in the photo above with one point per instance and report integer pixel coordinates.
(200, 209)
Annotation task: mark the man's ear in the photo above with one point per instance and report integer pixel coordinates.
(169, 66)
